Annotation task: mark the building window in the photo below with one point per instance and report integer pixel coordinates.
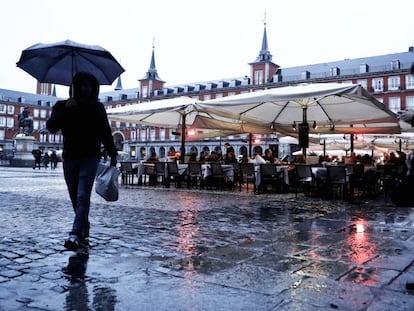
(143, 135)
(35, 125)
(162, 134)
(10, 109)
(2, 108)
(145, 91)
(394, 104)
(305, 75)
(394, 83)
(334, 71)
(133, 135)
(258, 77)
(10, 122)
(152, 134)
(409, 103)
(2, 121)
(207, 96)
(409, 82)
(43, 113)
(347, 82)
(363, 83)
(2, 134)
(363, 68)
(35, 113)
(377, 84)
(395, 64)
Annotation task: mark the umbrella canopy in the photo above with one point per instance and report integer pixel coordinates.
(288, 140)
(332, 107)
(59, 62)
(180, 113)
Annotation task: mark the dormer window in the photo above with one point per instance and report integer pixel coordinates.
(305, 75)
(395, 64)
(258, 77)
(334, 71)
(363, 68)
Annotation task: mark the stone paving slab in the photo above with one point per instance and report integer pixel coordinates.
(179, 249)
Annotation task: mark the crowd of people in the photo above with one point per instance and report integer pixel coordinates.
(45, 159)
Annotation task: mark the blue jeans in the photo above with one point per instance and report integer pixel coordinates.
(80, 176)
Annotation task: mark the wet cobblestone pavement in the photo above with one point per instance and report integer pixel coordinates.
(179, 249)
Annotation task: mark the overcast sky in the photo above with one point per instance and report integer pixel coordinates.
(204, 40)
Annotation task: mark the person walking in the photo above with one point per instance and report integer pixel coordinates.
(37, 154)
(85, 126)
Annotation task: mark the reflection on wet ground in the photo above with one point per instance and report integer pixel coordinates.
(169, 249)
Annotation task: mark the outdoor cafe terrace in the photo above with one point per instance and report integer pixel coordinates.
(331, 179)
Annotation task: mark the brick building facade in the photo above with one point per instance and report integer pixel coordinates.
(387, 77)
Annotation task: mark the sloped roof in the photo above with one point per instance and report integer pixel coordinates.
(346, 67)
(23, 97)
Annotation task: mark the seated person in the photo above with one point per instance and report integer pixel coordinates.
(268, 157)
(244, 159)
(202, 158)
(153, 157)
(212, 157)
(230, 158)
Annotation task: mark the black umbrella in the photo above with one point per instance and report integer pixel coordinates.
(58, 62)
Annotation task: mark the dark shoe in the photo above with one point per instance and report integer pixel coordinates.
(72, 243)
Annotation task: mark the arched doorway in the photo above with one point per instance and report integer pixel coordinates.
(118, 140)
(243, 150)
(162, 152)
(257, 150)
(142, 153)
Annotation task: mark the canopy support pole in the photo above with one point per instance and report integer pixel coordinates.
(183, 134)
(304, 131)
(250, 144)
(352, 143)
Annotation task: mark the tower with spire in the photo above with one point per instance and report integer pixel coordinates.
(263, 69)
(151, 81)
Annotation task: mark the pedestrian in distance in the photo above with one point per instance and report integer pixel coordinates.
(37, 154)
(53, 160)
(84, 124)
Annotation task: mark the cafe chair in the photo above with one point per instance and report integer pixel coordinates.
(127, 173)
(270, 176)
(304, 178)
(247, 174)
(173, 175)
(218, 177)
(195, 175)
(387, 177)
(357, 181)
(337, 180)
(159, 172)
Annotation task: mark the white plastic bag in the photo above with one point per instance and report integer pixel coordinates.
(106, 183)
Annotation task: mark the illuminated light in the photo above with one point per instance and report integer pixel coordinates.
(294, 126)
(257, 141)
(191, 132)
(359, 228)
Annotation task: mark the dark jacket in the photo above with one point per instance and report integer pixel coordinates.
(84, 126)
